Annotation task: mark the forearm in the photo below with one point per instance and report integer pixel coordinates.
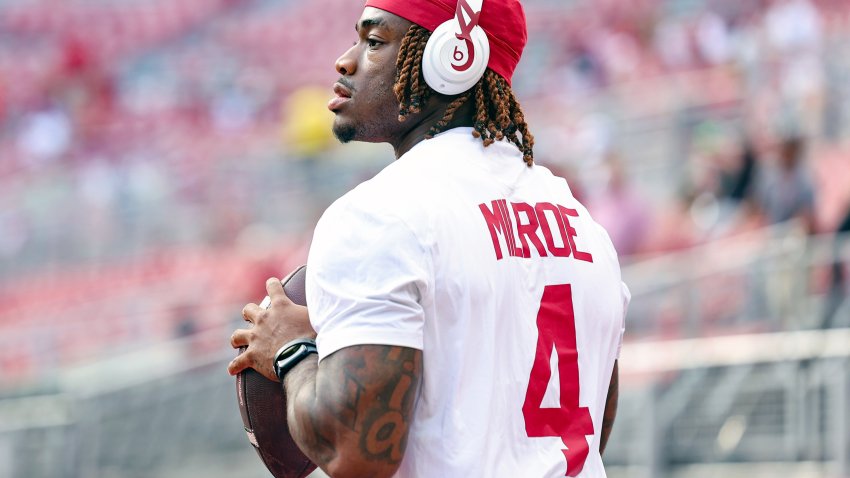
(351, 418)
(610, 409)
(302, 413)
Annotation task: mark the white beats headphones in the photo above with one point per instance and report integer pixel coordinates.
(457, 53)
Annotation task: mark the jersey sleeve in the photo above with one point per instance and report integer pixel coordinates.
(366, 276)
(627, 297)
(625, 293)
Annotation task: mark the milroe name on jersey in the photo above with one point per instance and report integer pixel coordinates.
(550, 219)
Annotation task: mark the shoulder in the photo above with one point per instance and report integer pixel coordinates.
(407, 188)
(390, 207)
(547, 176)
(392, 196)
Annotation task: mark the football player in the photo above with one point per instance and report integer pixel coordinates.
(465, 311)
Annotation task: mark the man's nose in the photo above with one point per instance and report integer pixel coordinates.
(346, 65)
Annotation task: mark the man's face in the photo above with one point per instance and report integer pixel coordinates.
(364, 103)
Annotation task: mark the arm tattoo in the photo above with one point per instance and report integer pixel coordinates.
(360, 405)
(610, 408)
(387, 421)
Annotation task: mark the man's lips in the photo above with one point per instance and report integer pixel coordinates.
(342, 94)
(342, 90)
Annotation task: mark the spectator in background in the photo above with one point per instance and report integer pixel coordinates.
(785, 191)
(185, 322)
(736, 183)
(736, 189)
(794, 31)
(672, 42)
(793, 26)
(713, 39)
(673, 227)
(621, 210)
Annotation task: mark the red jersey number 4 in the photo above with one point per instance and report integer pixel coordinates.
(556, 328)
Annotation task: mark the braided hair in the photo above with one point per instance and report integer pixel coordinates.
(497, 113)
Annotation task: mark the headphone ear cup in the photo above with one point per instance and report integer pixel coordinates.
(449, 65)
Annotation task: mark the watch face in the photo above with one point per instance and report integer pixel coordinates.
(292, 355)
(291, 351)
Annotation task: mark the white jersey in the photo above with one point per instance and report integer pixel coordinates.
(513, 293)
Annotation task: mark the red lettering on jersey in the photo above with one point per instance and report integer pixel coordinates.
(528, 230)
(510, 239)
(495, 223)
(541, 208)
(500, 223)
(556, 328)
(571, 234)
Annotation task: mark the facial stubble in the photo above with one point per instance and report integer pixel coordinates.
(382, 127)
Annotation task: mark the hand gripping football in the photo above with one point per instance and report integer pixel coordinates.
(262, 404)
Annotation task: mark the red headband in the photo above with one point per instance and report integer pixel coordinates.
(503, 20)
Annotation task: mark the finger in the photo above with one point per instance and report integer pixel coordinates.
(240, 363)
(250, 312)
(275, 289)
(239, 338)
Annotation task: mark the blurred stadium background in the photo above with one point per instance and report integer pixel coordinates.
(160, 158)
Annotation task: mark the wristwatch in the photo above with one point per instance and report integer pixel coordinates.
(291, 354)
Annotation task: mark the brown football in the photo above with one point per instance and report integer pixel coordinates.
(262, 404)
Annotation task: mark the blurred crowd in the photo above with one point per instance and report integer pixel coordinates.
(123, 113)
(132, 128)
(137, 117)
(681, 125)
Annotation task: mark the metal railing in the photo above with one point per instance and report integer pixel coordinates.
(772, 279)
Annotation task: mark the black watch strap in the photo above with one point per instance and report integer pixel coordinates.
(291, 354)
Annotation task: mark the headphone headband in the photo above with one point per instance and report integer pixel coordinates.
(463, 10)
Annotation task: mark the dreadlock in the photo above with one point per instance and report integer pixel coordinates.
(497, 113)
